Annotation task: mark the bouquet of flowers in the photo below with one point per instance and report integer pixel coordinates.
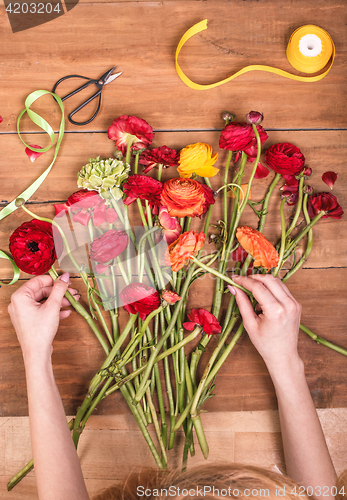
(148, 269)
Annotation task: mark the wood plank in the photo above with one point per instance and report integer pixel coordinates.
(248, 437)
(323, 151)
(146, 58)
(243, 382)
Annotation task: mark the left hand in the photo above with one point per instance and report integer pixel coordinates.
(36, 323)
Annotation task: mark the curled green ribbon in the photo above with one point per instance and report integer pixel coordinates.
(44, 125)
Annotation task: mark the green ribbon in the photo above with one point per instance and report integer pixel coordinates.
(40, 122)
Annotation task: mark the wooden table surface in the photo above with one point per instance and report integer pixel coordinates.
(140, 37)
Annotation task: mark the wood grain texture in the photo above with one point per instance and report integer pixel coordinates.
(141, 38)
(323, 151)
(243, 382)
(111, 446)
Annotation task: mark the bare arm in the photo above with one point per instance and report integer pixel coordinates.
(274, 333)
(57, 468)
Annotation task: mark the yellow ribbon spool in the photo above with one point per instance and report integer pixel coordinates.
(309, 50)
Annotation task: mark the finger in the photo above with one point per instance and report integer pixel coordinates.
(64, 314)
(44, 292)
(250, 319)
(59, 288)
(275, 286)
(33, 286)
(260, 292)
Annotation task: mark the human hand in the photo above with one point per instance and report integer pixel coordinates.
(36, 322)
(274, 332)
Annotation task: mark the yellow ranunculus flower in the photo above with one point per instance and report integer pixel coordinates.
(197, 158)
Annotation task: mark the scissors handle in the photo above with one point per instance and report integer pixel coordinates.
(98, 93)
(79, 89)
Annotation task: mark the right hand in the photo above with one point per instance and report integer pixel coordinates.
(274, 332)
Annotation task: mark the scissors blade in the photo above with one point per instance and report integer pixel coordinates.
(110, 78)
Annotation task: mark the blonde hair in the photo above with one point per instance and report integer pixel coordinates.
(211, 482)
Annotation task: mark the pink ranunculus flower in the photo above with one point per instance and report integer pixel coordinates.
(108, 246)
(170, 226)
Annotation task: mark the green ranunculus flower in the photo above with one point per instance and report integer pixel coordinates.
(105, 176)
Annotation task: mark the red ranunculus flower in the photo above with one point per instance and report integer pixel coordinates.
(83, 204)
(32, 247)
(139, 298)
(130, 128)
(238, 136)
(205, 319)
(153, 157)
(285, 159)
(326, 202)
(108, 246)
(145, 188)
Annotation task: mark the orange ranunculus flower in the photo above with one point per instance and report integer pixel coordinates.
(197, 158)
(262, 251)
(183, 197)
(186, 246)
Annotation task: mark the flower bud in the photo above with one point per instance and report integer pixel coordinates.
(118, 155)
(227, 117)
(19, 202)
(254, 118)
(308, 189)
(291, 198)
(307, 172)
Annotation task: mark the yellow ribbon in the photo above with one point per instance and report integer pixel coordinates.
(295, 55)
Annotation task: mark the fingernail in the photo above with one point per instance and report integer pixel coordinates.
(235, 277)
(65, 277)
(77, 297)
(232, 289)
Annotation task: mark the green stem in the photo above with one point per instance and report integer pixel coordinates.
(303, 233)
(283, 238)
(322, 341)
(266, 202)
(160, 170)
(141, 253)
(224, 356)
(156, 425)
(308, 246)
(82, 311)
(298, 208)
(219, 275)
(225, 198)
(200, 435)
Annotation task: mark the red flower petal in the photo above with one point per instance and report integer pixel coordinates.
(33, 155)
(261, 172)
(329, 178)
(0, 119)
(189, 325)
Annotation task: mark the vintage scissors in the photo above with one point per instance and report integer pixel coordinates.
(104, 80)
